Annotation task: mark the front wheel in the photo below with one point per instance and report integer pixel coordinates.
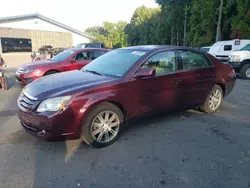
(102, 125)
(213, 101)
(245, 71)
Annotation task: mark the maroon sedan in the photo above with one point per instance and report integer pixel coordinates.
(92, 104)
(72, 59)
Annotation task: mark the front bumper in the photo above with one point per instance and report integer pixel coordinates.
(51, 125)
(23, 78)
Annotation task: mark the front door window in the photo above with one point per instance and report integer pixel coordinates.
(163, 63)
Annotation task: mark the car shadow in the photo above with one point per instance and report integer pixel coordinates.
(72, 163)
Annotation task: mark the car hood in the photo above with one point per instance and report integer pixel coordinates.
(66, 83)
(243, 55)
(38, 64)
(241, 52)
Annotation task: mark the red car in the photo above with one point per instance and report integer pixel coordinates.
(93, 103)
(68, 60)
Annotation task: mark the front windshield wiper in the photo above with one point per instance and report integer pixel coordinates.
(91, 71)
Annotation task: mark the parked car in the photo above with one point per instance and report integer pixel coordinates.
(94, 103)
(82, 45)
(91, 45)
(205, 48)
(67, 60)
(223, 49)
(240, 60)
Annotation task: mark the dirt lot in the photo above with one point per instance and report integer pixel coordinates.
(185, 150)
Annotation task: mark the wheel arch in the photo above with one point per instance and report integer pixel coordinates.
(245, 62)
(52, 70)
(223, 87)
(120, 106)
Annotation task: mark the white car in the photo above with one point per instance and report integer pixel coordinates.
(240, 60)
(223, 49)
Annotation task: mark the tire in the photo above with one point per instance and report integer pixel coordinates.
(245, 72)
(90, 133)
(50, 72)
(207, 106)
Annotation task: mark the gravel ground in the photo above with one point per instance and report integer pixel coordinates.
(184, 150)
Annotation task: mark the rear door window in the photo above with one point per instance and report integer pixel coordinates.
(194, 60)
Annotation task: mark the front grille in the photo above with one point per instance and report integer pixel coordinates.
(25, 101)
(223, 58)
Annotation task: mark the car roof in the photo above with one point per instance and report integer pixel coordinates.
(84, 49)
(159, 47)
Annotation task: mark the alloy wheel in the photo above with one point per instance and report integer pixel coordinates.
(105, 127)
(248, 73)
(215, 99)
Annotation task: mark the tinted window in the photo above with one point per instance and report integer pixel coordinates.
(163, 63)
(193, 60)
(82, 56)
(92, 45)
(115, 63)
(63, 55)
(96, 54)
(237, 42)
(102, 46)
(16, 45)
(227, 47)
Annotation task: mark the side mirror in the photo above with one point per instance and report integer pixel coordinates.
(145, 72)
(72, 61)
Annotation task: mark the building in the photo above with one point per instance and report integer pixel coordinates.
(30, 32)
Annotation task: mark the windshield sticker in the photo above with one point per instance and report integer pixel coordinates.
(138, 53)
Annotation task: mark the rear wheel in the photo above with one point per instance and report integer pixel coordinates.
(213, 101)
(245, 71)
(50, 72)
(102, 126)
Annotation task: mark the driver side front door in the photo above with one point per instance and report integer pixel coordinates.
(82, 59)
(158, 92)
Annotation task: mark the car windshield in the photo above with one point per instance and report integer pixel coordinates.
(247, 47)
(114, 63)
(63, 55)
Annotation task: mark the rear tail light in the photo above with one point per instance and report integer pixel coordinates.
(232, 72)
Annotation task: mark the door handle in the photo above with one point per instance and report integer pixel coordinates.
(211, 74)
(177, 82)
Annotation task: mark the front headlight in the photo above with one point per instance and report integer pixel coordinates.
(235, 58)
(53, 104)
(28, 70)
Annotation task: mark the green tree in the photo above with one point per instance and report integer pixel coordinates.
(111, 34)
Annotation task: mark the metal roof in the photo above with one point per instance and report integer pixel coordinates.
(44, 18)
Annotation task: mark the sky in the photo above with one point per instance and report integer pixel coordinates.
(78, 14)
